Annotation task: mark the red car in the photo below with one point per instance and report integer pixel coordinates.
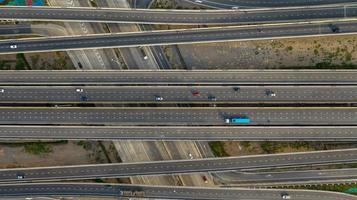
(196, 93)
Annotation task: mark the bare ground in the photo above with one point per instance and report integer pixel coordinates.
(71, 153)
(314, 52)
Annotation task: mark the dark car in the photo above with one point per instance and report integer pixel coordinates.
(212, 98)
(334, 28)
(204, 178)
(84, 98)
(237, 89)
(20, 176)
(270, 93)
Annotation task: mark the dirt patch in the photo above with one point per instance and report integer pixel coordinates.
(36, 61)
(314, 52)
(235, 148)
(63, 153)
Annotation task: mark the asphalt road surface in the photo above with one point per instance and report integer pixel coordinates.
(187, 36)
(288, 177)
(228, 4)
(163, 192)
(178, 94)
(15, 29)
(179, 116)
(179, 166)
(180, 77)
(156, 16)
(205, 133)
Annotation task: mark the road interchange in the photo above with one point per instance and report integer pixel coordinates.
(157, 16)
(161, 192)
(184, 36)
(79, 172)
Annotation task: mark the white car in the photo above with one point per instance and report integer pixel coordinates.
(198, 1)
(2, 90)
(235, 7)
(13, 46)
(79, 90)
(190, 155)
(285, 196)
(159, 98)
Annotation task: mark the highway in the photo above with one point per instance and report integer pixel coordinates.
(228, 4)
(163, 192)
(157, 16)
(178, 94)
(288, 177)
(268, 161)
(180, 77)
(185, 36)
(178, 115)
(15, 29)
(179, 133)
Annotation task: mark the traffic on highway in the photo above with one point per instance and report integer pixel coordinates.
(178, 99)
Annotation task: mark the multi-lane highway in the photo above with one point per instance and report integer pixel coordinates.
(288, 177)
(157, 16)
(15, 29)
(173, 133)
(186, 36)
(229, 4)
(178, 94)
(180, 77)
(178, 166)
(179, 116)
(162, 192)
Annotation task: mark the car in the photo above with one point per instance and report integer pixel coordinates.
(20, 176)
(159, 98)
(204, 178)
(196, 93)
(13, 46)
(2, 90)
(270, 93)
(84, 98)
(235, 7)
(334, 28)
(190, 155)
(80, 90)
(285, 196)
(198, 1)
(236, 89)
(212, 98)
(80, 65)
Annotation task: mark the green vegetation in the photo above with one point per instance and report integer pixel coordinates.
(327, 187)
(84, 144)
(21, 63)
(38, 148)
(217, 148)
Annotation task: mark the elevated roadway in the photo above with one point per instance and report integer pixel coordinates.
(288, 177)
(179, 133)
(157, 16)
(179, 166)
(180, 77)
(178, 116)
(162, 192)
(228, 4)
(185, 36)
(179, 94)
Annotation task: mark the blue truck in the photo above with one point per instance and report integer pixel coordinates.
(237, 120)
